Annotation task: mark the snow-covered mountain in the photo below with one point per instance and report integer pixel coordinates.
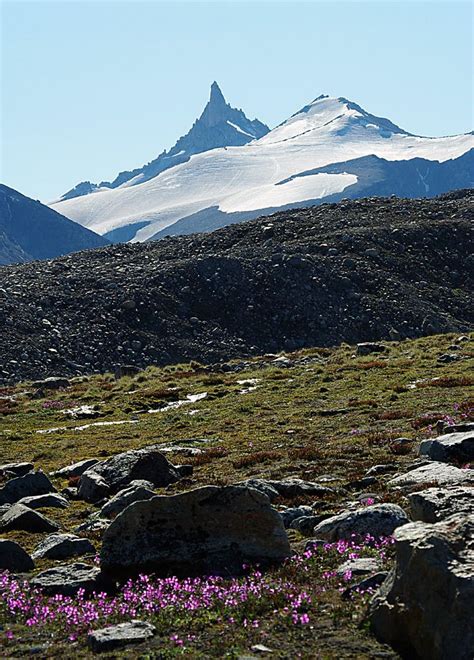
(331, 148)
(220, 125)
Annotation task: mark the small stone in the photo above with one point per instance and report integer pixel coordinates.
(69, 578)
(63, 546)
(361, 566)
(122, 634)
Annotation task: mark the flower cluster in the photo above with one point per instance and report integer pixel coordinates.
(234, 601)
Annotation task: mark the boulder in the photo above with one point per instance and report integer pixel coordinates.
(69, 578)
(115, 473)
(368, 347)
(289, 487)
(377, 520)
(262, 486)
(306, 524)
(293, 513)
(51, 383)
(75, 469)
(435, 504)
(18, 469)
(122, 634)
(433, 473)
(21, 517)
(136, 491)
(63, 546)
(207, 530)
(13, 558)
(48, 501)
(449, 447)
(92, 487)
(424, 607)
(32, 483)
(461, 427)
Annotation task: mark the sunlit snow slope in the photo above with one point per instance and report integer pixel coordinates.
(263, 174)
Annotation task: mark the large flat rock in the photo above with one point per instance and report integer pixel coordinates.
(433, 473)
(208, 530)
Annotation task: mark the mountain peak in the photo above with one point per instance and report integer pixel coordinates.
(216, 96)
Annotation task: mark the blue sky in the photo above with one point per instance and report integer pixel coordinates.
(92, 88)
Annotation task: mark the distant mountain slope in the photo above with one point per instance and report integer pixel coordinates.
(220, 125)
(29, 230)
(323, 152)
(357, 270)
(376, 176)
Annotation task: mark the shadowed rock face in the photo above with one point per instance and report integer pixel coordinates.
(30, 230)
(210, 530)
(424, 608)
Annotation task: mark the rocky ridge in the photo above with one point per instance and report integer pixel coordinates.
(353, 271)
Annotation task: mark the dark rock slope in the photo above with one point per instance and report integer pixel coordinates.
(357, 270)
(30, 230)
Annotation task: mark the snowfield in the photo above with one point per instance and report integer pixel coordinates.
(249, 178)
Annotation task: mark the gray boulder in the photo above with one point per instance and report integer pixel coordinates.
(212, 529)
(136, 491)
(21, 517)
(63, 546)
(424, 607)
(92, 487)
(18, 469)
(117, 472)
(293, 513)
(306, 524)
(262, 486)
(434, 473)
(377, 520)
(461, 427)
(289, 487)
(33, 483)
(14, 558)
(68, 579)
(449, 447)
(122, 634)
(48, 501)
(435, 504)
(51, 383)
(75, 469)
(368, 347)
